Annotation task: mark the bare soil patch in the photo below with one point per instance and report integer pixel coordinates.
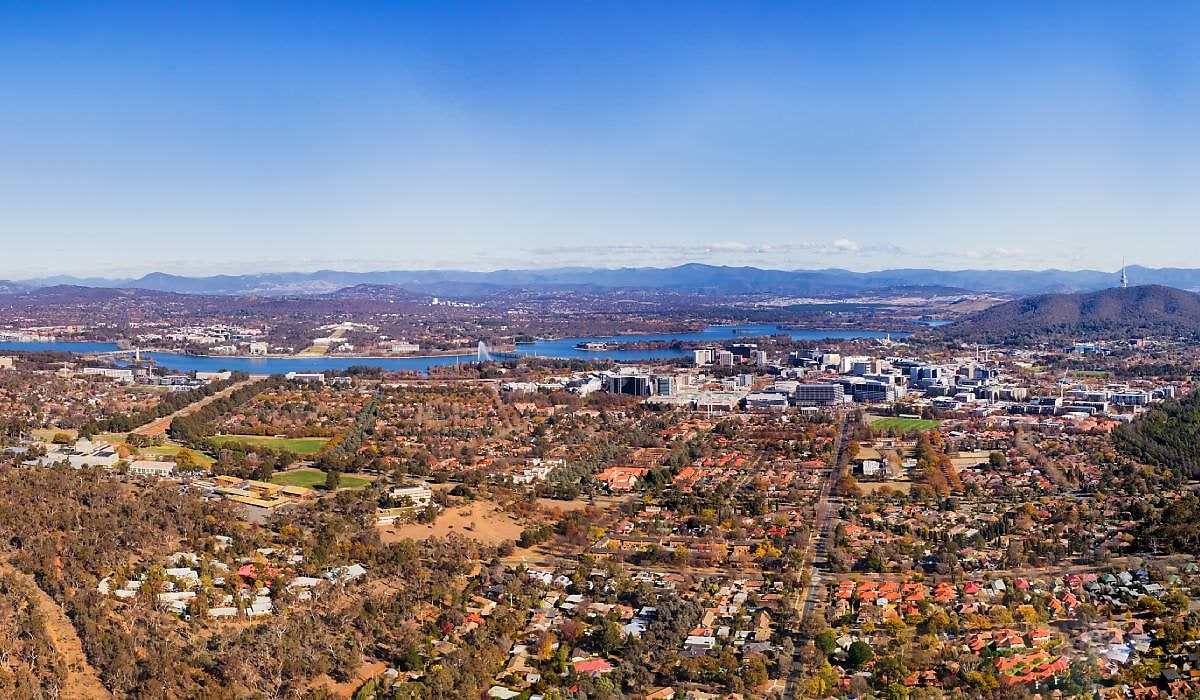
(480, 520)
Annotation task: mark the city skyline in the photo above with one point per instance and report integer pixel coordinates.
(222, 139)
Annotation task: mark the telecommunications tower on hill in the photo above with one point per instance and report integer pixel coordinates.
(1124, 277)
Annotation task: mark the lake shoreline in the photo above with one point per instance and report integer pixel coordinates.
(174, 360)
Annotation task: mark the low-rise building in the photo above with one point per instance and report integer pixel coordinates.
(420, 495)
(306, 377)
(152, 468)
(124, 376)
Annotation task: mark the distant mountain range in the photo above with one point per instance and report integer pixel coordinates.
(700, 278)
(1110, 313)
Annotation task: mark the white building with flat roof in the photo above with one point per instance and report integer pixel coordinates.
(313, 377)
(152, 468)
(420, 495)
(86, 453)
(121, 375)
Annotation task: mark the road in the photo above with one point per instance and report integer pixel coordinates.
(159, 426)
(1134, 561)
(816, 549)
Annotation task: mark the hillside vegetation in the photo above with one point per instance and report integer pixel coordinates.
(1167, 436)
(1110, 313)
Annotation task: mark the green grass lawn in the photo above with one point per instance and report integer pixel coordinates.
(315, 478)
(47, 434)
(904, 425)
(168, 451)
(300, 446)
(112, 437)
(150, 389)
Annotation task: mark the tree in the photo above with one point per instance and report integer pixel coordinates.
(61, 438)
(826, 641)
(822, 681)
(332, 478)
(783, 659)
(610, 637)
(754, 673)
(367, 691)
(186, 459)
(859, 654)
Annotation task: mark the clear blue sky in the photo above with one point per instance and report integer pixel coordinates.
(235, 137)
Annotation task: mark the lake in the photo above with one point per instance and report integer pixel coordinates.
(563, 348)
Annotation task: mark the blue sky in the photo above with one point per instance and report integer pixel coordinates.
(239, 137)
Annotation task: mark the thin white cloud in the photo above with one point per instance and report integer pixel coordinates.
(724, 246)
(716, 249)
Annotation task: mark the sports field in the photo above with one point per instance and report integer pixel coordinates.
(315, 478)
(904, 425)
(300, 446)
(168, 451)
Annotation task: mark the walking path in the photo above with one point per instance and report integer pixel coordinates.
(159, 426)
(82, 681)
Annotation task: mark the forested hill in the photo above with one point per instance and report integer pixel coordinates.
(1167, 435)
(1107, 314)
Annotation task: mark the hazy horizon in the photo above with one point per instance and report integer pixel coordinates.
(367, 271)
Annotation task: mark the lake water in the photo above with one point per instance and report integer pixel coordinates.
(563, 348)
(933, 322)
(713, 334)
